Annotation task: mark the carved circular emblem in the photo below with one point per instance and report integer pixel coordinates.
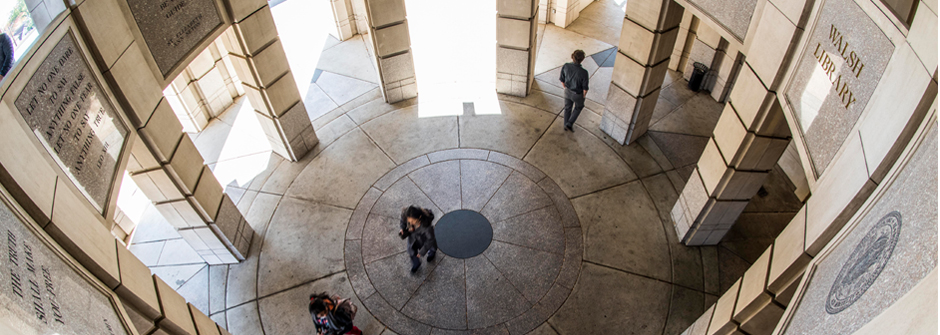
(865, 264)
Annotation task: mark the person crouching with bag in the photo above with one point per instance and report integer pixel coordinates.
(332, 315)
(416, 227)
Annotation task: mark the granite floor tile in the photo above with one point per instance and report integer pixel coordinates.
(380, 238)
(285, 173)
(513, 132)
(176, 275)
(686, 307)
(599, 84)
(542, 100)
(342, 89)
(697, 117)
(731, 267)
(334, 130)
(578, 162)
(517, 195)
(639, 160)
(540, 229)
(440, 182)
(530, 271)
(396, 322)
(244, 203)
(601, 20)
(686, 261)
(244, 319)
(606, 299)
(479, 180)
(550, 85)
(551, 77)
(329, 179)
(557, 45)
(442, 300)
(153, 227)
(349, 58)
(710, 269)
(680, 149)
(404, 135)
(219, 319)
(394, 281)
(491, 298)
(622, 230)
(148, 252)
(196, 290)
(544, 329)
(401, 194)
(305, 242)
(241, 285)
(286, 312)
(177, 252)
(261, 211)
(375, 108)
(218, 275)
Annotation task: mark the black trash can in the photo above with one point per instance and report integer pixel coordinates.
(697, 80)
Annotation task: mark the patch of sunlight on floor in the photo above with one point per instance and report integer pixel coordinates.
(131, 200)
(303, 27)
(246, 152)
(454, 44)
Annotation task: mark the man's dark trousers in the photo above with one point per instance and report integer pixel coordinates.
(576, 99)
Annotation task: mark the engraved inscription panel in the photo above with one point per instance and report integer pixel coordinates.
(172, 28)
(68, 111)
(41, 294)
(836, 75)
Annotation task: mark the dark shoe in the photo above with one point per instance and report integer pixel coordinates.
(571, 129)
(414, 269)
(567, 128)
(431, 257)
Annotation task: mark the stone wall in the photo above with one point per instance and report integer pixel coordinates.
(868, 81)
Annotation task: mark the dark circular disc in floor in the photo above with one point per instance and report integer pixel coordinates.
(463, 233)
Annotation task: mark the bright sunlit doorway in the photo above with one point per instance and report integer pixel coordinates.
(454, 47)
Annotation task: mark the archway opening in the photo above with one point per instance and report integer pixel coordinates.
(454, 47)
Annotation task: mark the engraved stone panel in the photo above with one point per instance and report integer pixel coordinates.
(890, 249)
(41, 294)
(836, 75)
(69, 112)
(734, 15)
(172, 28)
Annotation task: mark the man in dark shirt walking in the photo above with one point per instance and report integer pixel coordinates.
(575, 80)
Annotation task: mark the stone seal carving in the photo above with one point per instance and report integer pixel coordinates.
(865, 264)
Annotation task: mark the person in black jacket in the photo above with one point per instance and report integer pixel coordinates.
(331, 316)
(575, 80)
(416, 227)
(6, 55)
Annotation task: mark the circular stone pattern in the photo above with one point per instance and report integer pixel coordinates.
(463, 233)
(865, 264)
(512, 277)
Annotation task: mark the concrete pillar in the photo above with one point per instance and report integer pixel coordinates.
(345, 18)
(647, 40)
(163, 161)
(751, 135)
(166, 166)
(261, 64)
(564, 12)
(391, 48)
(680, 53)
(516, 28)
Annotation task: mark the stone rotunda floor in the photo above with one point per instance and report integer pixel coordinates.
(517, 283)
